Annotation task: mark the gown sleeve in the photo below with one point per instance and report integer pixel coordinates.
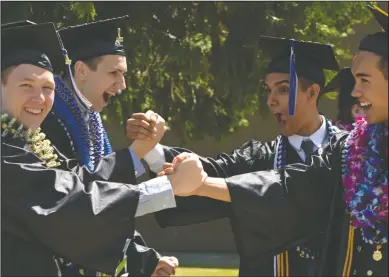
(251, 156)
(274, 208)
(286, 205)
(69, 210)
(119, 167)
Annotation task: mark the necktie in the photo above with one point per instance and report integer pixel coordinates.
(307, 146)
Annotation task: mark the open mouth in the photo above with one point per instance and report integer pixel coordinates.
(281, 121)
(33, 111)
(107, 95)
(365, 105)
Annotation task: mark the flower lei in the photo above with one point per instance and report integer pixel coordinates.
(36, 140)
(366, 181)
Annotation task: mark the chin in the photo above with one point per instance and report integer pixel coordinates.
(287, 132)
(33, 126)
(371, 118)
(97, 109)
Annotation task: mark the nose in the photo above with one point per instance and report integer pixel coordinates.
(271, 100)
(38, 96)
(121, 83)
(356, 92)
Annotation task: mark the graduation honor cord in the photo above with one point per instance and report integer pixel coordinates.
(281, 261)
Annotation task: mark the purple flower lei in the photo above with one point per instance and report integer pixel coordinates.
(366, 181)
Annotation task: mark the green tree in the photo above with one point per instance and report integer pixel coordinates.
(198, 64)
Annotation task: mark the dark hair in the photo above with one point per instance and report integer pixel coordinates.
(304, 84)
(345, 114)
(345, 103)
(5, 73)
(383, 66)
(92, 63)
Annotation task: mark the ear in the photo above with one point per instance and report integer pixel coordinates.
(313, 92)
(81, 70)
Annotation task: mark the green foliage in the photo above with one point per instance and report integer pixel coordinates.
(198, 63)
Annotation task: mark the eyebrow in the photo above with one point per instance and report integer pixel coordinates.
(27, 79)
(281, 82)
(362, 75)
(118, 69)
(33, 80)
(278, 83)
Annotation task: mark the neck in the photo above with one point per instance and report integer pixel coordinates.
(77, 91)
(6, 119)
(312, 126)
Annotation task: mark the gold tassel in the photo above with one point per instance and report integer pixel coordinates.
(349, 253)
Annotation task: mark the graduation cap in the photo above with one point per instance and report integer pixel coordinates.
(17, 24)
(37, 44)
(94, 39)
(381, 16)
(299, 59)
(343, 83)
(377, 43)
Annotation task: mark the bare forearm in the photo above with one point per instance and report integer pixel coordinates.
(141, 148)
(215, 188)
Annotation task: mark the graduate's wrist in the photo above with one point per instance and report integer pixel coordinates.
(141, 148)
(215, 188)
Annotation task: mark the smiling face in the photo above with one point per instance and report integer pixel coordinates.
(277, 88)
(371, 87)
(100, 83)
(27, 93)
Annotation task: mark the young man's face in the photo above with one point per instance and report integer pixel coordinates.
(277, 88)
(28, 94)
(107, 80)
(371, 87)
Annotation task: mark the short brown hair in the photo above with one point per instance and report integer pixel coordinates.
(304, 84)
(5, 73)
(92, 63)
(383, 66)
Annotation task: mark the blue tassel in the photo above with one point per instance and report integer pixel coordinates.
(293, 82)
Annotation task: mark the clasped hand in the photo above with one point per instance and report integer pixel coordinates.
(186, 174)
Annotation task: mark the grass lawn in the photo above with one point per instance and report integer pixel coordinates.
(198, 271)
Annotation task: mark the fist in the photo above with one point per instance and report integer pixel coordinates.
(147, 131)
(166, 267)
(188, 175)
(145, 126)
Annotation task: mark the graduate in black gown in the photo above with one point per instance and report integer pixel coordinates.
(283, 207)
(74, 124)
(363, 230)
(356, 239)
(51, 206)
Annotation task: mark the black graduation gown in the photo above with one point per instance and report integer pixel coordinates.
(138, 250)
(271, 210)
(66, 212)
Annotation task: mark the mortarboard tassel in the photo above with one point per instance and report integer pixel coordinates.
(80, 97)
(293, 82)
